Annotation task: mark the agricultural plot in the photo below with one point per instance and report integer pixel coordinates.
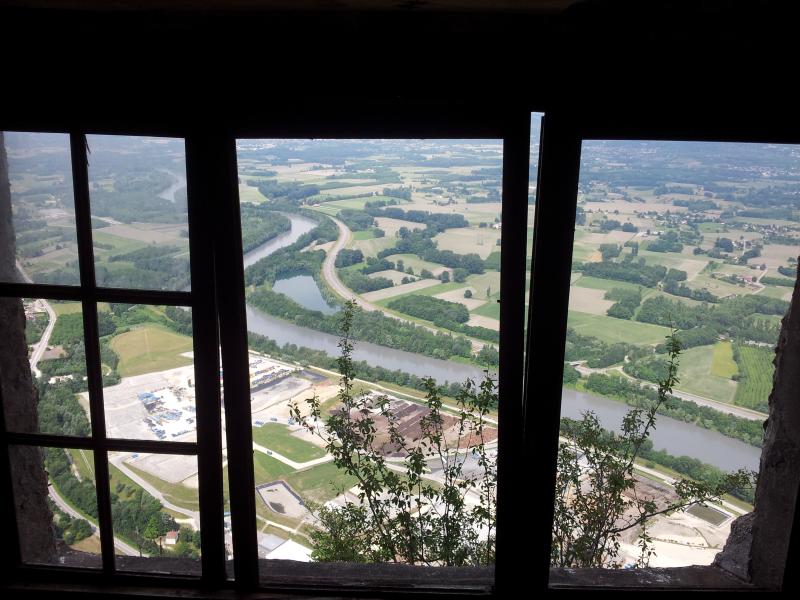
(464, 240)
(673, 260)
(476, 320)
(396, 277)
(399, 290)
(612, 330)
(248, 193)
(392, 226)
(722, 363)
(718, 287)
(696, 374)
(371, 247)
(279, 439)
(150, 348)
(416, 263)
(598, 283)
(363, 235)
(589, 301)
(457, 295)
(782, 293)
(755, 379)
(148, 233)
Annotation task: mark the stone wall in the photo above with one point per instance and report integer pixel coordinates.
(29, 480)
(757, 547)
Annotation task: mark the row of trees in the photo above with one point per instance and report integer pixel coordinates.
(260, 224)
(368, 326)
(638, 395)
(735, 317)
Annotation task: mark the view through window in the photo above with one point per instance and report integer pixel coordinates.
(697, 237)
(410, 232)
(139, 222)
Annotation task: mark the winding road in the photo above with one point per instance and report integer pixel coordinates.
(332, 278)
(40, 347)
(119, 462)
(64, 506)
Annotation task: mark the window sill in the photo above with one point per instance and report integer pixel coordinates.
(705, 578)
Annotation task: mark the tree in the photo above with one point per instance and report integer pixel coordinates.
(595, 499)
(153, 531)
(406, 517)
(460, 275)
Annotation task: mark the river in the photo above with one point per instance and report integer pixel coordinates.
(676, 437)
(180, 182)
(300, 225)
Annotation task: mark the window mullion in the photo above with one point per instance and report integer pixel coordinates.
(229, 271)
(80, 182)
(206, 358)
(516, 148)
(554, 225)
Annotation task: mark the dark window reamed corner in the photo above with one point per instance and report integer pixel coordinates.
(218, 309)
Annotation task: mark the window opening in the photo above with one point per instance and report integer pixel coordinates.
(410, 230)
(696, 238)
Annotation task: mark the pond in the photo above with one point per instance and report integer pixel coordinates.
(305, 291)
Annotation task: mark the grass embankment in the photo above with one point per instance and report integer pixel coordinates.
(176, 493)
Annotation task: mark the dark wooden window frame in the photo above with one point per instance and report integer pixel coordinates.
(217, 303)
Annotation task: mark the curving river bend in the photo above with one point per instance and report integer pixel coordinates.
(676, 437)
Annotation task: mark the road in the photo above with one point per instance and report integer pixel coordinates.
(119, 462)
(332, 278)
(62, 504)
(736, 411)
(41, 346)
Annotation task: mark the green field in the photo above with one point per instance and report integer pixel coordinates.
(363, 235)
(177, 494)
(722, 363)
(148, 349)
(277, 438)
(612, 330)
(321, 483)
(266, 468)
(491, 309)
(755, 380)
(772, 291)
(413, 261)
(718, 287)
(596, 283)
(248, 193)
(428, 291)
(69, 308)
(696, 375)
(83, 460)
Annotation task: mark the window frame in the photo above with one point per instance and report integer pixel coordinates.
(211, 179)
(208, 445)
(217, 302)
